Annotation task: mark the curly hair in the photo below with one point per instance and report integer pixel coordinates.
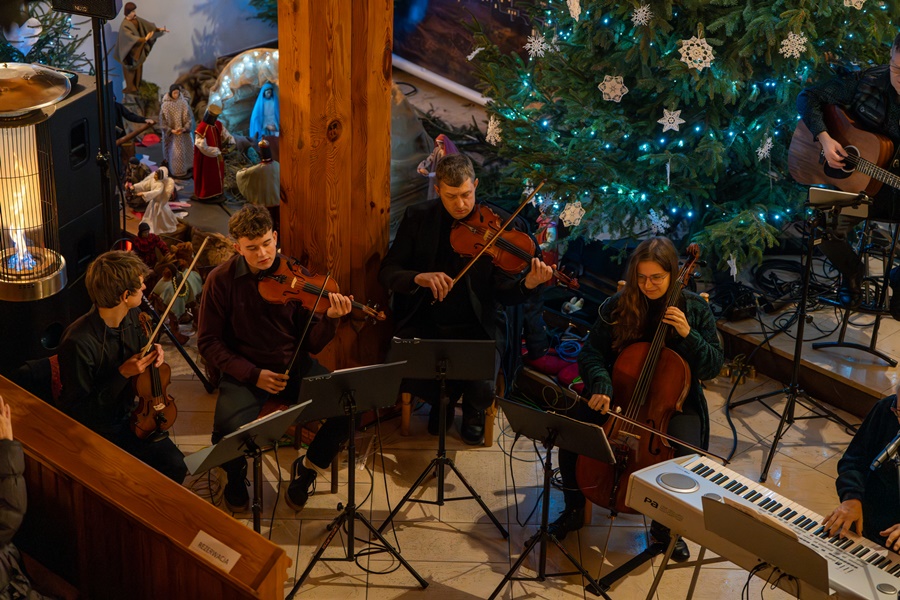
(250, 222)
(631, 309)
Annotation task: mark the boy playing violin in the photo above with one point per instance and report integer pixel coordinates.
(248, 343)
(101, 352)
(422, 257)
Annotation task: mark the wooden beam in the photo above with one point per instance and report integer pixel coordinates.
(335, 94)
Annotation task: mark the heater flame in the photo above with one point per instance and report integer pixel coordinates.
(22, 260)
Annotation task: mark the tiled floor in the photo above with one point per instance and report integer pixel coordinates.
(459, 551)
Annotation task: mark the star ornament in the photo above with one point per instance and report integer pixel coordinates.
(671, 120)
(571, 214)
(613, 88)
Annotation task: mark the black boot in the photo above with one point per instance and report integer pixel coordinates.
(302, 486)
(660, 534)
(236, 494)
(472, 430)
(894, 305)
(571, 519)
(850, 292)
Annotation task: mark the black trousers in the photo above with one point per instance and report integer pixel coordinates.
(685, 426)
(476, 395)
(163, 455)
(239, 404)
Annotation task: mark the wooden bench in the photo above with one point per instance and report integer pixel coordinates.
(115, 528)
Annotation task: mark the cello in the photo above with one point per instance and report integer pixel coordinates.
(655, 380)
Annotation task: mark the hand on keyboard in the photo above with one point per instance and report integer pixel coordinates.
(845, 516)
(893, 537)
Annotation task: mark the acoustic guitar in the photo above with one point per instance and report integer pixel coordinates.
(865, 168)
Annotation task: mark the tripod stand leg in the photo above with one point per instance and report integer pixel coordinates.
(415, 486)
(391, 550)
(477, 498)
(593, 586)
(787, 417)
(539, 536)
(336, 526)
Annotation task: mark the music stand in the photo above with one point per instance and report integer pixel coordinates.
(359, 389)
(793, 391)
(467, 360)
(250, 440)
(553, 431)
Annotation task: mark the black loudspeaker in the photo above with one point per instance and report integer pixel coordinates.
(74, 144)
(33, 329)
(102, 9)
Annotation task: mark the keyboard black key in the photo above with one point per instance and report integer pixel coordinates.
(782, 514)
(811, 525)
(697, 467)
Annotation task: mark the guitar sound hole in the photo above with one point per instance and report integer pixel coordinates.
(853, 151)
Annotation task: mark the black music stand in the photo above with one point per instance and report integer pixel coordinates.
(359, 389)
(553, 431)
(250, 440)
(793, 391)
(467, 360)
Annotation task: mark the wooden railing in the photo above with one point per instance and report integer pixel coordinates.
(115, 528)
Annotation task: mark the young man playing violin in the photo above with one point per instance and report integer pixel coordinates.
(419, 270)
(633, 315)
(99, 355)
(248, 343)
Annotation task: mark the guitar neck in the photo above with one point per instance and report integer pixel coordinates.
(874, 171)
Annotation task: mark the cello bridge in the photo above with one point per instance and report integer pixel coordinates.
(159, 407)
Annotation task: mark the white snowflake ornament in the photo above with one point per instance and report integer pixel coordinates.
(732, 266)
(642, 15)
(793, 45)
(536, 45)
(696, 53)
(553, 45)
(764, 149)
(613, 88)
(492, 136)
(474, 53)
(571, 214)
(857, 4)
(671, 120)
(659, 222)
(574, 8)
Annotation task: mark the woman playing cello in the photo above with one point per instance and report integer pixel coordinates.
(633, 315)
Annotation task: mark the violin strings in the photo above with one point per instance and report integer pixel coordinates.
(512, 248)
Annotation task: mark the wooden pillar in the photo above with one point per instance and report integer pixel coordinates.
(335, 94)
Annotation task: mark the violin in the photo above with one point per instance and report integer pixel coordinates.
(291, 281)
(655, 380)
(512, 250)
(156, 410)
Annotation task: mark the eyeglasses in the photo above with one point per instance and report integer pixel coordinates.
(656, 279)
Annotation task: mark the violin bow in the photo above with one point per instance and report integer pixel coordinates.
(312, 313)
(162, 317)
(725, 461)
(496, 237)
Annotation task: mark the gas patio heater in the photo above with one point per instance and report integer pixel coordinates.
(31, 266)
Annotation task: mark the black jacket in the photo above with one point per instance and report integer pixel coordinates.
(90, 354)
(415, 250)
(877, 489)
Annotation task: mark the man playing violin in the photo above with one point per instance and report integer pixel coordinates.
(419, 270)
(633, 315)
(873, 99)
(101, 352)
(248, 343)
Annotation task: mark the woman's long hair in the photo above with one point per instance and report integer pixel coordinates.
(631, 309)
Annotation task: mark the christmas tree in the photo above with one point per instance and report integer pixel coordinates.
(670, 117)
(44, 36)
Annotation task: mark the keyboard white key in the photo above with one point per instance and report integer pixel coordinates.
(857, 567)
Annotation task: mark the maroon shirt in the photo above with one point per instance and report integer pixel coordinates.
(240, 333)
